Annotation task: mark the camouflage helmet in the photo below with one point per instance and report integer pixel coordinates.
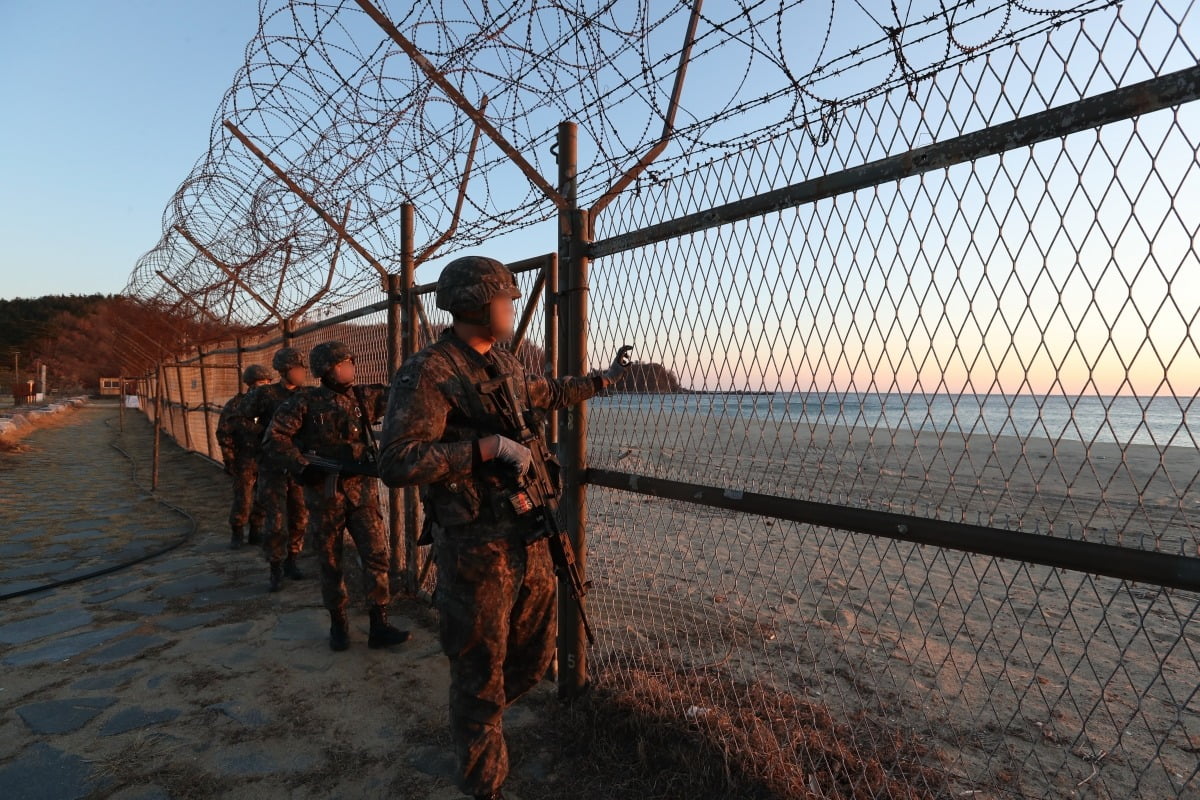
(286, 358)
(326, 356)
(468, 284)
(255, 373)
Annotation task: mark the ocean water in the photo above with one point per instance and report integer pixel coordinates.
(1161, 421)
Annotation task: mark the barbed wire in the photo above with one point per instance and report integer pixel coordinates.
(352, 120)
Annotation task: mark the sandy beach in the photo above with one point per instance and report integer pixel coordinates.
(745, 656)
(1025, 681)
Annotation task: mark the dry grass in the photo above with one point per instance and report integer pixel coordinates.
(632, 737)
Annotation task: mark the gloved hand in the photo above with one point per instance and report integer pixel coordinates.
(514, 454)
(617, 368)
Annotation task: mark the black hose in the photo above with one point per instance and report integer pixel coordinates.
(187, 537)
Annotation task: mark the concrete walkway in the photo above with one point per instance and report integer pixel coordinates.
(182, 677)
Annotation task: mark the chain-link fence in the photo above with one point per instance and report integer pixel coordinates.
(1007, 340)
(900, 498)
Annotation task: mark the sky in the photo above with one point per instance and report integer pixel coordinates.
(107, 106)
(114, 102)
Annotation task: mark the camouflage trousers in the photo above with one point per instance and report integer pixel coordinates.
(243, 472)
(497, 606)
(353, 506)
(285, 514)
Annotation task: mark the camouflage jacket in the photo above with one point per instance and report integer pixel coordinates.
(435, 415)
(260, 405)
(326, 422)
(235, 434)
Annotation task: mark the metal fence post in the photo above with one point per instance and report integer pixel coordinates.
(184, 408)
(158, 389)
(396, 539)
(408, 346)
(208, 434)
(550, 368)
(572, 246)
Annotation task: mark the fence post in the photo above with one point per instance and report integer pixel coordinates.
(158, 387)
(396, 549)
(572, 246)
(208, 434)
(550, 368)
(408, 345)
(184, 410)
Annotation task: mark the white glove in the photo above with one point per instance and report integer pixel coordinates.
(514, 454)
(617, 368)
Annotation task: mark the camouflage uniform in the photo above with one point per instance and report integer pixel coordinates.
(495, 595)
(333, 421)
(279, 495)
(235, 436)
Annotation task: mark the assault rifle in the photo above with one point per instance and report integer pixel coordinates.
(334, 469)
(537, 490)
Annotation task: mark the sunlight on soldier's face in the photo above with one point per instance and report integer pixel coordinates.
(343, 371)
(295, 375)
(503, 313)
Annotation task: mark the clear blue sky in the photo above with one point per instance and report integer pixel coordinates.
(106, 107)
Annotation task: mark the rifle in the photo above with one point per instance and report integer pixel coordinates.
(537, 492)
(334, 469)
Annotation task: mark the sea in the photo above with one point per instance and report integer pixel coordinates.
(1159, 421)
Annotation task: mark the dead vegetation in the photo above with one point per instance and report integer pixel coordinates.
(653, 732)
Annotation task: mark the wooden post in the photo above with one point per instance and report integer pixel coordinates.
(408, 346)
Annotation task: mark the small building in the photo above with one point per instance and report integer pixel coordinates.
(110, 387)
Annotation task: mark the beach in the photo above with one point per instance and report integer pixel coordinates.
(957, 675)
(1025, 681)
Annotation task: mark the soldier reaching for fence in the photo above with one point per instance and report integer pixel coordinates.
(446, 429)
(281, 498)
(332, 424)
(237, 440)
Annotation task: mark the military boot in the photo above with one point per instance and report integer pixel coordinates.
(339, 631)
(255, 536)
(382, 634)
(291, 570)
(235, 539)
(276, 576)
(496, 795)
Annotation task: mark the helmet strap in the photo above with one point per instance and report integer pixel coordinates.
(481, 316)
(329, 383)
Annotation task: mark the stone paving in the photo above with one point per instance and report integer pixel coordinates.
(181, 676)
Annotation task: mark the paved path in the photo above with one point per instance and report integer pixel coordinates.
(182, 677)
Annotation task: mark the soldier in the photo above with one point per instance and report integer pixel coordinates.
(333, 421)
(495, 593)
(235, 437)
(279, 495)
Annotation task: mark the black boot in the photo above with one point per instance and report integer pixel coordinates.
(235, 539)
(291, 570)
(276, 576)
(383, 634)
(255, 536)
(339, 631)
(496, 795)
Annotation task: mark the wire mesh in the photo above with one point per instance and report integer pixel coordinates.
(1009, 343)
